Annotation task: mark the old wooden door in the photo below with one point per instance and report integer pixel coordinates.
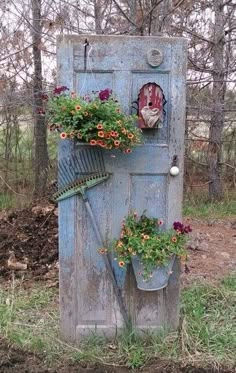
(139, 181)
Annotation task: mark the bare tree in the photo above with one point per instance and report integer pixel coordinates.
(40, 128)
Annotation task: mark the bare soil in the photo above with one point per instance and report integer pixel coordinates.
(32, 235)
(212, 250)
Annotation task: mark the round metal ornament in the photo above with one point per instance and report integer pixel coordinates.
(154, 57)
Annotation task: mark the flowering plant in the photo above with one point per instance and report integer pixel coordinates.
(97, 119)
(143, 237)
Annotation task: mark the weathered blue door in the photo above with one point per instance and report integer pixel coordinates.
(139, 181)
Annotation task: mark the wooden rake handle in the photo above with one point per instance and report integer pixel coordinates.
(107, 263)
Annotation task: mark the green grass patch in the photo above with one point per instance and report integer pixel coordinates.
(30, 319)
(198, 206)
(6, 201)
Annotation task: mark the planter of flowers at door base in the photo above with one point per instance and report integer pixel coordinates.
(157, 280)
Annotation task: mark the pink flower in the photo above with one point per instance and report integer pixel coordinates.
(105, 94)
(59, 90)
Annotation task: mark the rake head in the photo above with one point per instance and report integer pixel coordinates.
(70, 171)
(80, 186)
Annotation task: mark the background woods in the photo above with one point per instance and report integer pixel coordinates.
(28, 71)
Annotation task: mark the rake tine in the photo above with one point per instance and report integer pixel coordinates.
(63, 176)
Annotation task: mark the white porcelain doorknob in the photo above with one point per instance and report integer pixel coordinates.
(174, 171)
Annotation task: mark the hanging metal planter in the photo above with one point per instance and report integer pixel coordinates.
(159, 278)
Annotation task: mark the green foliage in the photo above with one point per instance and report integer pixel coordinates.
(143, 238)
(97, 120)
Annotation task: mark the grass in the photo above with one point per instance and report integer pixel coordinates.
(29, 318)
(6, 201)
(198, 206)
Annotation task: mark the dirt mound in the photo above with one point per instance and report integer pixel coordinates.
(29, 241)
(15, 360)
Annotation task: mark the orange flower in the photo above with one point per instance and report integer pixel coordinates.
(102, 251)
(77, 107)
(119, 244)
(118, 110)
(117, 143)
(107, 135)
(146, 237)
(101, 143)
(124, 131)
(119, 122)
(86, 114)
(93, 142)
(79, 135)
(121, 264)
(72, 135)
(174, 239)
(100, 133)
(160, 222)
(63, 135)
(100, 126)
(128, 150)
(112, 133)
(130, 135)
(115, 134)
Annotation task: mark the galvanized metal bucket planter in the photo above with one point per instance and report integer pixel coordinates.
(160, 275)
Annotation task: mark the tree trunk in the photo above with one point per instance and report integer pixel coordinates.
(98, 17)
(40, 129)
(218, 98)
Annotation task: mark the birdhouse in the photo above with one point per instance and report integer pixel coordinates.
(151, 101)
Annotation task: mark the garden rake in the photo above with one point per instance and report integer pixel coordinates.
(80, 187)
(76, 175)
